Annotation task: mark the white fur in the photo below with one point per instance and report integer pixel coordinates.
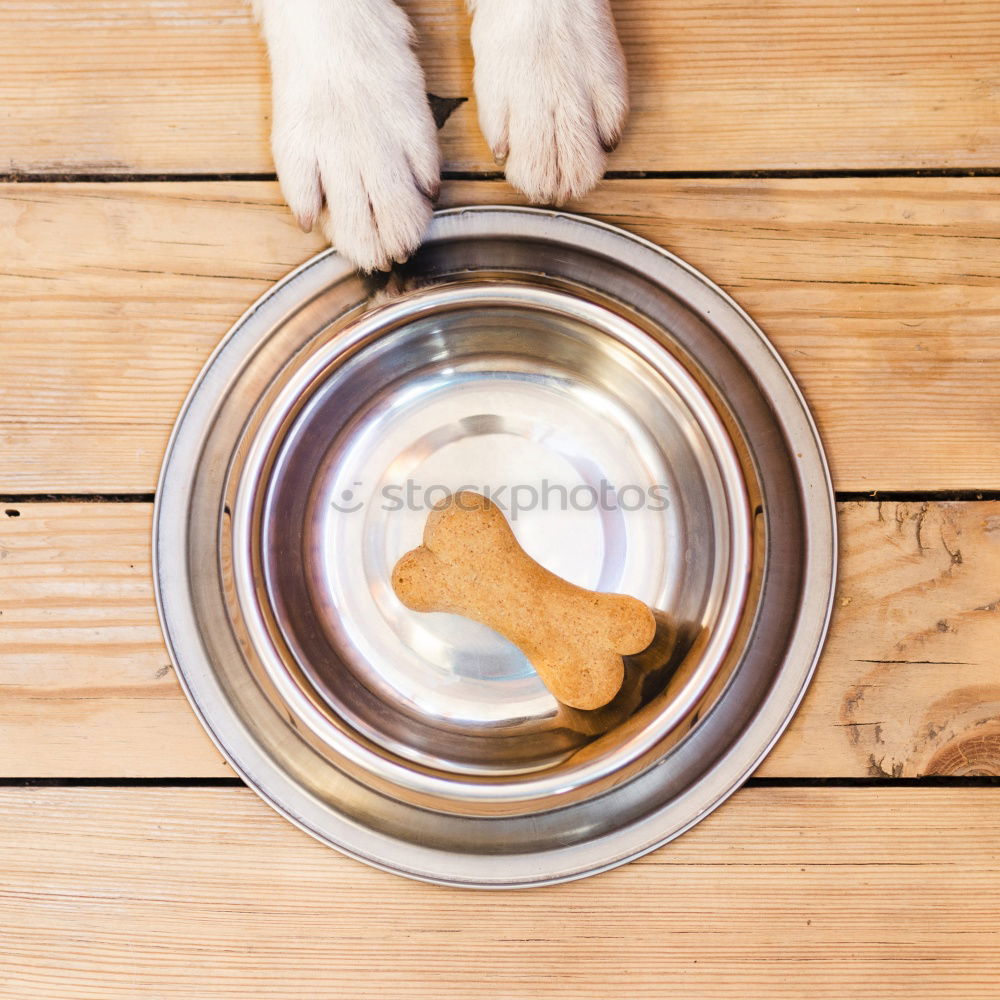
(354, 140)
(352, 126)
(552, 91)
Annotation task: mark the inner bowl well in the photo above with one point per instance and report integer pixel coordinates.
(615, 471)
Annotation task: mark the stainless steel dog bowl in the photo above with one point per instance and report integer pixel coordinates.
(643, 437)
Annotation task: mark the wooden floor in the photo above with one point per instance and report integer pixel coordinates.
(836, 167)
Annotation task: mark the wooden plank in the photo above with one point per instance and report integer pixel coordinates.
(909, 681)
(117, 86)
(87, 687)
(908, 684)
(882, 294)
(825, 892)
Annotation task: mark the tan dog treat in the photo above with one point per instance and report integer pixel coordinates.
(470, 564)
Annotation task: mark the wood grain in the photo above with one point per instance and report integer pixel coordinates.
(205, 893)
(883, 294)
(115, 86)
(909, 683)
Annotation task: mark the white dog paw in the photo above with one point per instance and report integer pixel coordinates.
(552, 91)
(354, 140)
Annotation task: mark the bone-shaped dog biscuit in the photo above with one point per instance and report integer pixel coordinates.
(470, 564)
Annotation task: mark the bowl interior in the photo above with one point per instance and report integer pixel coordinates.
(608, 475)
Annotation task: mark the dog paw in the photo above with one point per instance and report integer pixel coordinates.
(551, 86)
(354, 140)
